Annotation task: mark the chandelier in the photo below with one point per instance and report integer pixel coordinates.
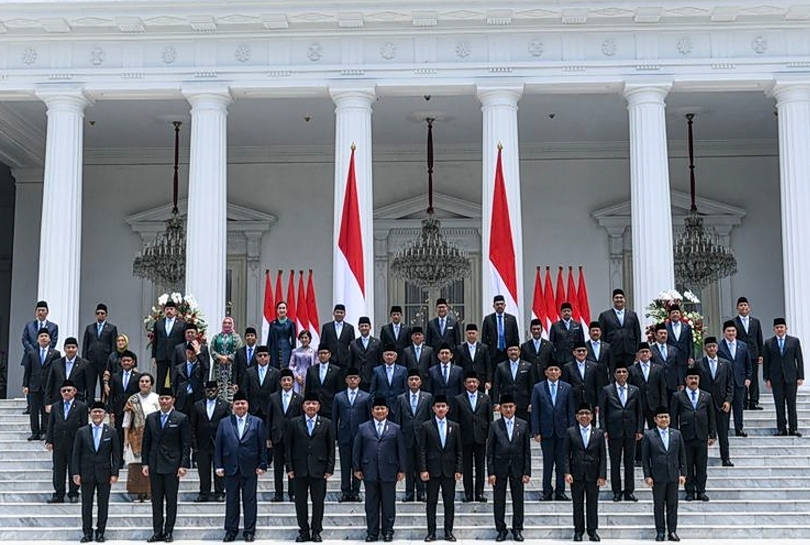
(430, 261)
(163, 261)
(700, 257)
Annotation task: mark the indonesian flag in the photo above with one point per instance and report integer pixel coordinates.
(502, 261)
(572, 296)
(539, 303)
(350, 281)
(312, 313)
(279, 291)
(582, 299)
(560, 294)
(552, 313)
(269, 313)
(301, 314)
(291, 299)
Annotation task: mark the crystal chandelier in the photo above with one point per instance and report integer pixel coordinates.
(163, 262)
(430, 261)
(700, 257)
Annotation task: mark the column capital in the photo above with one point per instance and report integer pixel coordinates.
(28, 175)
(645, 93)
(208, 97)
(499, 95)
(64, 99)
(791, 91)
(353, 97)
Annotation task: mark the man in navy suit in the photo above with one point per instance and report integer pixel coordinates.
(564, 334)
(621, 328)
(681, 336)
(742, 368)
(365, 352)
(474, 416)
(64, 420)
(749, 330)
(97, 345)
(474, 356)
(285, 404)
(240, 456)
(167, 333)
(715, 375)
(31, 332)
(669, 358)
(499, 331)
(442, 329)
(552, 414)
(337, 335)
(446, 378)
(350, 408)
(664, 464)
(205, 418)
(389, 380)
(37, 366)
(692, 413)
(537, 350)
(188, 381)
(378, 460)
(783, 369)
(420, 356)
(413, 409)
(396, 333)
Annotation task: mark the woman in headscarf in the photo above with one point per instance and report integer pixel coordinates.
(281, 337)
(223, 352)
(138, 407)
(114, 361)
(302, 358)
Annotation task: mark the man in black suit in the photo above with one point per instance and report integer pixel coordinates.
(350, 408)
(69, 367)
(783, 369)
(167, 333)
(246, 356)
(621, 328)
(581, 374)
(446, 377)
(188, 381)
(96, 460)
(310, 453)
(622, 420)
(413, 409)
(31, 332)
(123, 384)
(648, 377)
(97, 345)
(715, 375)
(668, 357)
(240, 457)
(420, 356)
(664, 463)
(599, 353)
(565, 333)
(165, 453)
(442, 329)
(324, 379)
(261, 380)
(389, 380)
(285, 404)
(749, 330)
(474, 416)
(64, 420)
(365, 352)
(191, 335)
(474, 356)
(205, 417)
(585, 470)
(440, 465)
(537, 350)
(742, 370)
(509, 461)
(378, 459)
(681, 336)
(337, 335)
(396, 333)
(37, 366)
(692, 412)
(516, 378)
(499, 331)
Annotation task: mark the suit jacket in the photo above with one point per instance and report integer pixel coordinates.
(61, 431)
(783, 367)
(604, 370)
(119, 394)
(454, 384)
(654, 390)
(97, 348)
(35, 372)
(277, 419)
(338, 347)
(520, 387)
(259, 394)
(165, 450)
(439, 461)
(380, 386)
(365, 359)
(242, 364)
(310, 456)
(674, 369)
(331, 385)
(347, 417)
(539, 359)
(31, 331)
(400, 342)
(721, 386)
(752, 337)
(489, 332)
(505, 457)
(548, 419)
(204, 429)
(204, 358)
(80, 374)
(742, 368)
(409, 421)
(242, 456)
(617, 420)
(563, 339)
(685, 343)
(163, 345)
(93, 466)
(434, 338)
(623, 338)
(481, 363)
(379, 458)
(181, 381)
(426, 359)
(584, 389)
(663, 465)
(474, 423)
(694, 422)
(586, 463)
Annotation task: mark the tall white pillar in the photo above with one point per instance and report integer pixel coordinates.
(206, 223)
(499, 106)
(60, 247)
(793, 106)
(353, 126)
(650, 207)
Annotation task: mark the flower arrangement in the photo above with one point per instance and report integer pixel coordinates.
(187, 309)
(659, 309)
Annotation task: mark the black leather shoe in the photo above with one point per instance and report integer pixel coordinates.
(795, 434)
(518, 535)
(561, 497)
(593, 536)
(617, 497)
(577, 536)
(316, 538)
(388, 538)
(781, 433)
(100, 538)
(408, 499)
(229, 537)
(344, 498)
(673, 537)
(155, 538)
(630, 497)
(250, 538)
(302, 538)
(481, 499)
(33, 437)
(739, 433)
(702, 497)
(27, 411)
(430, 537)
(168, 538)
(727, 463)
(292, 497)
(660, 536)
(466, 499)
(637, 463)
(277, 499)
(501, 536)
(201, 499)
(690, 497)
(546, 497)
(755, 407)
(55, 499)
(448, 536)
(86, 539)
(371, 539)
(73, 499)
(420, 498)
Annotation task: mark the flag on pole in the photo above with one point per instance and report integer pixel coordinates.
(291, 300)
(502, 262)
(312, 313)
(539, 303)
(269, 313)
(350, 282)
(582, 299)
(301, 314)
(572, 296)
(548, 292)
(560, 297)
(279, 286)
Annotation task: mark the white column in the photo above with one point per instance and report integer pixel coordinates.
(206, 223)
(793, 106)
(353, 126)
(499, 106)
(650, 207)
(60, 247)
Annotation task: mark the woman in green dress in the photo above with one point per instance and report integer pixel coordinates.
(223, 352)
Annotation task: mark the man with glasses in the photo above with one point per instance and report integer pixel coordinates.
(205, 417)
(664, 463)
(261, 380)
(581, 374)
(64, 421)
(97, 345)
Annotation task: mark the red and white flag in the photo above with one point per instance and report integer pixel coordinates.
(552, 312)
(502, 260)
(301, 314)
(312, 313)
(559, 294)
(291, 300)
(349, 280)
(269, 312)
(539, 303)
(572, 295)
(279, 290)
(582, 299)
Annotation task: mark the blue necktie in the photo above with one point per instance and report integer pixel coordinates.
(163, 418)
(694, 399)
(501, 340)
(42, 354)
(96, 437)
(473, 400)
(310, 425)
(189, 372)
(262, 370)
(622, 396)
(782, 346)
(249, 354)
(441, 326)
(67, 409)
(100, 327)
(414, 402)
(553, 393)
(509, 429)
(664, 352)
(285, 401)
(665, 439)
(584, 432)
(442, 434)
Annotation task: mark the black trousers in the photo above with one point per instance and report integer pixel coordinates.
(697, 458)
(553, 460)
(412, 480)
(316, 488)
(236, 485)
(349, 484)
(585, 496)
(665, 498)
(380, 501)
(278, 470)
(649, 418)
(473, 457)
(95, 377)
(37, 418)
(448, 487)
(737, 407)
(62, 468)
(164, 490)
(622, 453)
(205, 469)
(753, 390)
(89, 489)
(783, 393)
(515, 483)
(723, 424)
(163, 367)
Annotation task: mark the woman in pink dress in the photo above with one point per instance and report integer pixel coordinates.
(301, 358)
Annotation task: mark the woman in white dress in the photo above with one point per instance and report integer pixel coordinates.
(138, 407)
